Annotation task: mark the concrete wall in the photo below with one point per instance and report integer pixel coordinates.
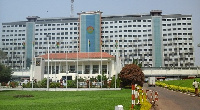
(171, 72)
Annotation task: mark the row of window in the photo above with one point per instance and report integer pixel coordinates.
(13, 30)
(137, 51)
(118, 31)
(175, 49)
(59, 33)
(13, 35)
(181, 64)
(105, 27)
(170, 39)
(174, 19)
(174, 24)
(169, 34)
(4, 26)
(60, 24)
(71, 28)
(13, 40)
(125, 21)
(177, 29)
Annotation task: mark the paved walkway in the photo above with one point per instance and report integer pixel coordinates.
(172, 100)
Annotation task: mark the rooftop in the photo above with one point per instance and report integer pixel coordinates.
(85, 55)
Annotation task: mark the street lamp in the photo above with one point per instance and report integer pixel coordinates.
(48, 36)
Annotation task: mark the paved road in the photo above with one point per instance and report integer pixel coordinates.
(170, 100)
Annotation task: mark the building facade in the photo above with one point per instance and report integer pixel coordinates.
(154, 39)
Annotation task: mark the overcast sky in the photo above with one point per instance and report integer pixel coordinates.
(18, 10)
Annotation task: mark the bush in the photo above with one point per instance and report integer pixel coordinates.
(175, 88)
(44, 83)
(13, 84)
(113, 82)
(71, 84)
(54, 85)
(28, 85)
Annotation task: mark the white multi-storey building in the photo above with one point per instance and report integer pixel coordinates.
(154, 39)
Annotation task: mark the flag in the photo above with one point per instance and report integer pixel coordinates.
(23, 44)
(57, 44)
(33, 43)
(89, 42)
(116, 44)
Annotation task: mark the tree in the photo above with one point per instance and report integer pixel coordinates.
(2, 55)
(135, 61)
(5, 73)
(131, 74)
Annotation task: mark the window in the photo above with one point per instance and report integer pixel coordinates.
(95, 69)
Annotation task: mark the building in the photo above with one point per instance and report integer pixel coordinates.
(154, 39)
(65, 64)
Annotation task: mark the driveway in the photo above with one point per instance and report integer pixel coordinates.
(171, 100)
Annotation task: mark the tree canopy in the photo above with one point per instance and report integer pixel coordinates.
(2, 55)
(5, 73)
(131, 74)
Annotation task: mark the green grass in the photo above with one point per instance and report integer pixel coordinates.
(182, 83)
(65, 100)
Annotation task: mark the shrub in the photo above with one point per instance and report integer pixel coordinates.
(113, 82)
(13, 84)
(71, 83)
(44, 83)
(54, 85)
(28, 85)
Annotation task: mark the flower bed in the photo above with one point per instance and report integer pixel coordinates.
(176, 88)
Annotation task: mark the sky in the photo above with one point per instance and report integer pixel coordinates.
(18, 10)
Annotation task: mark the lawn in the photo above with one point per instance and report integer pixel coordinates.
(182, 83)
(65, 100)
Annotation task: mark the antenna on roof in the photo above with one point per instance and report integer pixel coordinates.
(72, 9)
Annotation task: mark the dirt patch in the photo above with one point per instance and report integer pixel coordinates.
(21, 96)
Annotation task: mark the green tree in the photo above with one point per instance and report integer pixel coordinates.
(2, 55)
(104, 78)
(131, 74)
(5, 73)
(136, 62)
(113, 82)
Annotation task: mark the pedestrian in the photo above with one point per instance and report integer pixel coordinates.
(196, 85)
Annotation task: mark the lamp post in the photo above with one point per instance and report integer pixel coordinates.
(48, 36)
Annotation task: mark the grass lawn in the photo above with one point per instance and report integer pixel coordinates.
(182, 83)
(65, 100)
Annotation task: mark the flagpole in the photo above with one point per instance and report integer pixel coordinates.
(77, 65)
(101, 65)
(116, 45)
(88, 58)
(22, 63)
(48, 65)
(32, 63)
(66, 65)
(88, 49)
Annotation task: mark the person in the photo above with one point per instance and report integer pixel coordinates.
(196, 84)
